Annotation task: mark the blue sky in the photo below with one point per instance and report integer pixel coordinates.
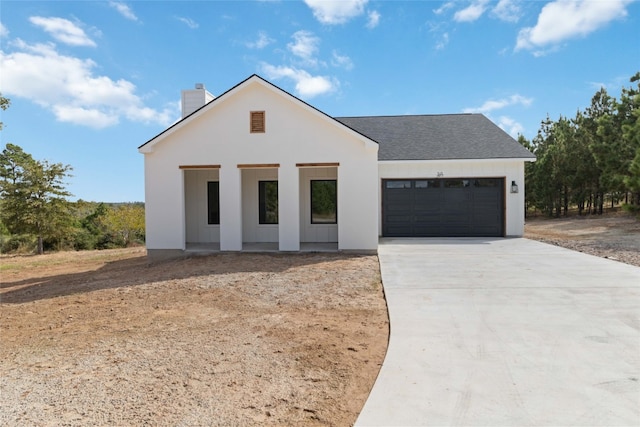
(90, 81)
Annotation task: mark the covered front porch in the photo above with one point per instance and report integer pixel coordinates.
(261, 208)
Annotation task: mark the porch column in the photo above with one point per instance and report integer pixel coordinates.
(230, 208)
(289, 207)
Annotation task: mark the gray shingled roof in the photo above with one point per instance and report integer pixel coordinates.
(437, 137)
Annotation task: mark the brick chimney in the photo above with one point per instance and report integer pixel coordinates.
(193, 99)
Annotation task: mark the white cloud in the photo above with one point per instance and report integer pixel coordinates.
(510, 126)
(497, 104)
(597, 85)
(443, 8)
(63, 30)
(332, 12)
(504, 10)
(507, 10)
(565, 19)
(304, 45)
(615, 83)
(443, 42)
(67, 87)
(306, 85)
(4, 32)
(374, 19)
(188, 22)
(440, 35)
(544, 52)
(342, 61)
(92, 117)
(261, 42)
(124, 10)
(471, 12)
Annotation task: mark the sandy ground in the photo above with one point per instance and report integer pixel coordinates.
(102, 338)
(615, 236)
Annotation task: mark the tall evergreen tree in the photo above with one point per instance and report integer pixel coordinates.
(15, 165)
(33, 195)
(602, 134)
(629, 112)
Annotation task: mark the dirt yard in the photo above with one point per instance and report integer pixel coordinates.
(102, 338)
(615, 236)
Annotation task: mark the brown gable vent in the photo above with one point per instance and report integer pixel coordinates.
(257, 122)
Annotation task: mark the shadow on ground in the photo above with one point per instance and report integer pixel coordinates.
(137, 271)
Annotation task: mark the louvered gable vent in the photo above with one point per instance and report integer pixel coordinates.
(257, 122)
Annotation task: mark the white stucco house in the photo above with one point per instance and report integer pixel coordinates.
(258, 167)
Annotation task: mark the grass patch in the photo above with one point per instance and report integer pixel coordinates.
(20, 263)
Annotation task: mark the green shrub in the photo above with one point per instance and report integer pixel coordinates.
(20, 243)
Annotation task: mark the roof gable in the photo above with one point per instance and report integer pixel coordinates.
(147, 147)
(438, 137)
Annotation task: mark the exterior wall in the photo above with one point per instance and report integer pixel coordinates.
(358, 198)
(164, 204)
(219, 135)
(509, 169)
(315, 232)
(196, 209)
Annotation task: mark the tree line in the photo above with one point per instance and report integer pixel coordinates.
(36, 215)
(590, 160)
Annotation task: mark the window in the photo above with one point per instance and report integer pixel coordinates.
(456, 183)
(324, 202)
(213, 202)
(268, 202)
(257, 122)
(398, 184)
(427, 183)
(486, 182)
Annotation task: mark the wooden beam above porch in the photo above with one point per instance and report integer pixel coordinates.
(258, 165)
(199, 166)
(317, 165)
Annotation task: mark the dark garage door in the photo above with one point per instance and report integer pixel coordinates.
(442, 207)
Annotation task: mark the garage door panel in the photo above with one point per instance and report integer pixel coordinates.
(399, 199)
(427, 211)
(426, 199)
(453, 224)
(427, 217)
(443, 207)
(487, 200)
(485, 232)
(456, 200)
(428, 231)
(486, 210)
(396, 210)
(458, 232)
(400, 231)
(400, 218)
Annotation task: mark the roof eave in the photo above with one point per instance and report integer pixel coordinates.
(458, 159)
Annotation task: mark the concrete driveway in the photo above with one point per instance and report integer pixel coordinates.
(506, 332)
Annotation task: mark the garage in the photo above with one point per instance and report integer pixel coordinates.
(452, 207)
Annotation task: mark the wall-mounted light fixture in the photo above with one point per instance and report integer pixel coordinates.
(514, 187)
